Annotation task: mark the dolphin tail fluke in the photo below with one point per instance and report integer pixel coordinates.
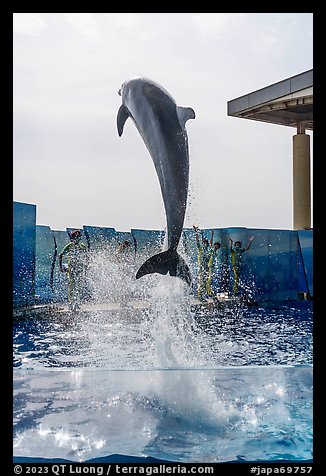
(166, 262)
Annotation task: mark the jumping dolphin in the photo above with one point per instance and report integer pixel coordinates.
(161, 124)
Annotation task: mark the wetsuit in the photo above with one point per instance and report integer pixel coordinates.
(236, 260)
(212, 271)
(205, 262)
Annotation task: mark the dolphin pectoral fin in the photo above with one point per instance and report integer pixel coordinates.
(122, 116)
(185, 113)
(163, 263)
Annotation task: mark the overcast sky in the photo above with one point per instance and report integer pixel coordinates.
(68, 158)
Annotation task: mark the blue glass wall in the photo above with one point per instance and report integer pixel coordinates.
(305, 261)
(147, 243)
(278, 265)
(44, 264)
(271, 264)
(24, 245)
(98, 238)
(120, 236)
(269, 267)
(61, 238)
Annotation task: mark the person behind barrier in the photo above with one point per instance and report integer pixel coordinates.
(124, 252)
(214, 272)
(124, 246)
(206, 255)
(76, 256)
(236, 260)
(124, 265)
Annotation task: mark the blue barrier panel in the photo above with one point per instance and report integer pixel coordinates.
(24, 242)
(303, 287)
(147, 243)
(98, 238)
(258, 275)
(46, 252)
(274, 264)
(283, 264)
(269, 267)
(59, 279)
(278, 265)
(305, 244)
(120, 236)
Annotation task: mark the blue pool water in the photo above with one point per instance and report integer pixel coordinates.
(166, 382)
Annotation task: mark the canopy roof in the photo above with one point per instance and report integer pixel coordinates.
(288, 102)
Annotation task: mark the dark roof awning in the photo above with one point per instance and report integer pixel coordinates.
(288, 102)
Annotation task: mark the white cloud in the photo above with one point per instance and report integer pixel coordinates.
(29, 23)
(217, 24)
(127, 21)
(84, 23)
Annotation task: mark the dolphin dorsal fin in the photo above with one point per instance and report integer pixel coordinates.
(122, 116)
(185, 113)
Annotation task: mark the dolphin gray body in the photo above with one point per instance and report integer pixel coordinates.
(161, 124)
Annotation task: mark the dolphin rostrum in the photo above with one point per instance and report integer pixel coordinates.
(161, 124)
